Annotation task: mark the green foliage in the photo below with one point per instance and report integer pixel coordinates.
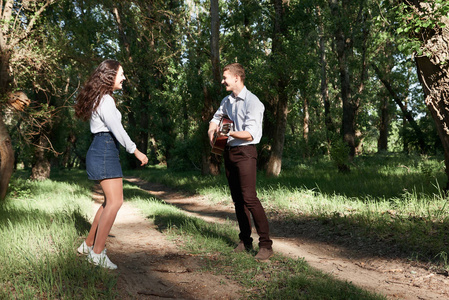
(413, 21)
(164, 49)
(186, 154)
(19, 189)
(339, 154)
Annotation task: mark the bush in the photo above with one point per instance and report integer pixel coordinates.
(339, 153)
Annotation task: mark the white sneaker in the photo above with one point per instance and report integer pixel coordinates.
(84, 249)
(101, 260)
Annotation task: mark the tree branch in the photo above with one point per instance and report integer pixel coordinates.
(5, 18)
(37, 14)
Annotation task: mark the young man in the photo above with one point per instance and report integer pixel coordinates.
(240, 157)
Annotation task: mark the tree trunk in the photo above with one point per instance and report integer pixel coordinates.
(210, 163)
(6, 159)
(344, 40)
(5, 77)
(67, 162)
(382, 142)
(41, 163)
(275, 161)
(433, 73)
(324, 80)
(405, 140)
(142, 138)
(215, 41)
(6, 149)
(435, 82)
(305, 127)
(407, 115)
(344, 49)
(41, 167)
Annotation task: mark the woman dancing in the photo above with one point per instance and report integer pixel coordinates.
(96, 104)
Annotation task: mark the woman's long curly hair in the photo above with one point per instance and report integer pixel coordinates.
(100, 83)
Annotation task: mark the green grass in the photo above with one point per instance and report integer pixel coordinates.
(375, 177)
(392, 204)
(40, 226)
(388, 202)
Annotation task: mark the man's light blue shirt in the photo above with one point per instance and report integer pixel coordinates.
(246, 111)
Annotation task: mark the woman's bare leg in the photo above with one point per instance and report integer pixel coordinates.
(93, 229)
(113, 192)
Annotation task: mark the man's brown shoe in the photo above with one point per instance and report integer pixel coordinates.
(264, 254)
(242, 247)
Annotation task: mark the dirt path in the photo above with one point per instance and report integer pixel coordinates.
(153, 268)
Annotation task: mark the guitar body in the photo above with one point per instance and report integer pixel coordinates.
(220, 141)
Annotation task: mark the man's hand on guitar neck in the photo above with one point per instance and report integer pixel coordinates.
(213, 128)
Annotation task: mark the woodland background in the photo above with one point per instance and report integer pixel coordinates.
(338, 78)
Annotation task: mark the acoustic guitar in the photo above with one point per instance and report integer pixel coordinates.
(220, 141)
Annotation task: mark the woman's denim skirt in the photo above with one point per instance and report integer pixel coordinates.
(102, 159)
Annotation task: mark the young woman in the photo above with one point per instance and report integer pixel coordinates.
(96, 104)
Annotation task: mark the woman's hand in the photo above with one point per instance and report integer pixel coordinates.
(142, 157)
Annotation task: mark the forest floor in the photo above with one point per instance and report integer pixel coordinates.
(150, 266)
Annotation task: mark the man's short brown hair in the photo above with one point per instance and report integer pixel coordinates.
(236, 69)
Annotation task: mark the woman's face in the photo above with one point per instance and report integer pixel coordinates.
(119, 78)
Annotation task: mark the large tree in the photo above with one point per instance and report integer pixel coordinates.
(351, 30)
(210, 163)
(279, 101)
(427, 22)
(17, 27)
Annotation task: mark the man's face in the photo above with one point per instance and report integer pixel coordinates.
(229, 80)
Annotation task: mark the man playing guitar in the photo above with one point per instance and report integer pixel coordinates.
(245, 110)
(221, 135)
